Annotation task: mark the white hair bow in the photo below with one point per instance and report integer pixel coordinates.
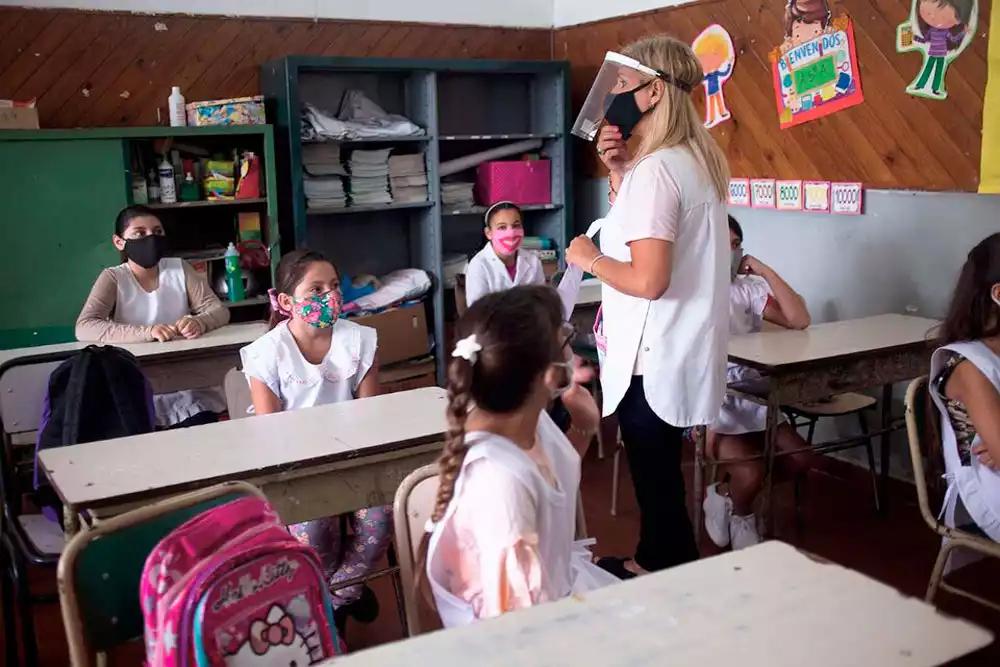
(468, 348)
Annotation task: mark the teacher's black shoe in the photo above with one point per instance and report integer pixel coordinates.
(616, 566)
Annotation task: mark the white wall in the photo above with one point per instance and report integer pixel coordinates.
(571, 12)
(520, 13)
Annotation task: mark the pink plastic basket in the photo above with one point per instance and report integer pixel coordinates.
(520, 181)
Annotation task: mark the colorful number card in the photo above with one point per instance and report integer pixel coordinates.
(789, 195)
(817, 196)
(845, 198)
(739, 191)
(762, 193)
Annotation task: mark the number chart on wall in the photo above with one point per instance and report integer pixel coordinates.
(816, 75)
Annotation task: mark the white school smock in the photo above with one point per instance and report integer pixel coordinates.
(275, 360)
(487, 273)
(164, 305)
(977, 485)
(748, 297)
(532, 504)
(678, 342)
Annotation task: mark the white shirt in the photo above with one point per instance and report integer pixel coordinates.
(682, 335)
(164, 305)
(487, 273)
(275, 360)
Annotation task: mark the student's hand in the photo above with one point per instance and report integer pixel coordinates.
(581, 252)
(984, 456)
(585, 417)
(163, 333)
(751, 266)
(612, 150)
(189, 327)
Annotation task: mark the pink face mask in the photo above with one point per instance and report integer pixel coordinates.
(507, 241)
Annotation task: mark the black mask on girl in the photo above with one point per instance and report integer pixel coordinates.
(146, 251)
(624, 112)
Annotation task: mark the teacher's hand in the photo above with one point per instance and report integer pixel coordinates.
(612, 150)
(581, 252)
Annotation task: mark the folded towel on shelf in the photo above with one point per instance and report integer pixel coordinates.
(355, 122)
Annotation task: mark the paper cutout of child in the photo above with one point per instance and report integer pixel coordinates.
(714, 50)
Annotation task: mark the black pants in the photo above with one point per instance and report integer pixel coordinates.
(666, 537)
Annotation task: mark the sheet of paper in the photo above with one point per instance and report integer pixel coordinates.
(569, 286)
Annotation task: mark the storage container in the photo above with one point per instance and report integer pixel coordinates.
(518, 181)
(235, 111)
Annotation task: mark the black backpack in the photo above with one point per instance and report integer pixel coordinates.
(98, 394)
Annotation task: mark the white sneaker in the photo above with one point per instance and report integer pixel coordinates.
(718, 509)
(743, 531)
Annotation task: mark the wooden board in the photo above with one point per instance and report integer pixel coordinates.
(892, 140)
(106, 68)
(111, 472)
(767, 605)
(788, 349)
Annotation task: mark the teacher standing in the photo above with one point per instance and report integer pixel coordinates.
(664, 264)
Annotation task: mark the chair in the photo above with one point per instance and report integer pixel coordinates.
(100, 604)
(237, 394)
(922, 424)
(25, 539)
(413, 506)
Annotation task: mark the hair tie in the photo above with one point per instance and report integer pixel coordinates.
(272, 294)
(468, 348)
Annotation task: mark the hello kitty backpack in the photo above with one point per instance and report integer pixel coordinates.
(232, 587)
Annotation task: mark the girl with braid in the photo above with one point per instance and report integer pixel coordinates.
(502, 530)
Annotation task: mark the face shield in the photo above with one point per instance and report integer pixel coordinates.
(618, 74)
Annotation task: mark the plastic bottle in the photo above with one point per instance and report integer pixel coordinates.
(153, 187)
(234, 276)
(168, 189)
(189, 189)
(175, 103)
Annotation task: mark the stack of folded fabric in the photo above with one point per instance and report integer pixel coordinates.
(369, 180)
(457, 195)
(323, 179)
(408, 178)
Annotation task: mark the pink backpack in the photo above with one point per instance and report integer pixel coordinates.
(232, 587)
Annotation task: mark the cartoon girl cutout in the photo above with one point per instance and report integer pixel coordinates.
(943, 29)
(715, 52)
(805, 20)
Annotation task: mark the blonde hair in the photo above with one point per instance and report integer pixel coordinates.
(674, 121)
(712, 42)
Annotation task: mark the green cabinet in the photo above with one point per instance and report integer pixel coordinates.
(60, 191)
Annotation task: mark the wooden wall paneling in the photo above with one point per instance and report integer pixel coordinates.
(109, 53)
(892, 140)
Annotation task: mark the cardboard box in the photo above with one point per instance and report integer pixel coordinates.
(407, 375)
(402, 333)
(18, 118)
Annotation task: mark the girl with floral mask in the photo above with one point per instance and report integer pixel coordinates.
(500, 536)
(502, 264)
(311, 357)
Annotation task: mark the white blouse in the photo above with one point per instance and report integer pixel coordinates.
(275, 360)
(487, 273)
(677, 342)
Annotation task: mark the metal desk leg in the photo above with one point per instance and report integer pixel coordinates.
(71, 522)
(765, 517)
(885, 441)
(699, 480)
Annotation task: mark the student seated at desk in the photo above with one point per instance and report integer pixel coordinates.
(756, 293)
(502, 264)
(503, 525)
(312, 357)
(151, 297)
(965, 386)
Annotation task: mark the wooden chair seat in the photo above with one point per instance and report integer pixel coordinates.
(835, 406)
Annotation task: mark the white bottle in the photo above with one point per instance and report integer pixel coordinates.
(168, 189)
(175, 103)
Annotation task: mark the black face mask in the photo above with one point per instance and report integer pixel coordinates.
(624, 112)
(146, 251)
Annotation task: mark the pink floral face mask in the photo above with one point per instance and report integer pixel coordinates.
(320, 311)
(507, 241)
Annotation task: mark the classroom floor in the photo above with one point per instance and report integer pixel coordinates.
(838, 523)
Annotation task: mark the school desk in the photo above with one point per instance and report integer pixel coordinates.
(827, 359)
(311, 463)
(767, 605)
(171, 366)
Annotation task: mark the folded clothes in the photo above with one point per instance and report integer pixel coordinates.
(317, 124)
